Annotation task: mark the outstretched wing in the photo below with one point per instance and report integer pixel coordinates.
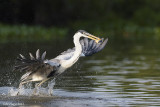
(89, 47)
(24, 64)
(35, 64)
(66, 54)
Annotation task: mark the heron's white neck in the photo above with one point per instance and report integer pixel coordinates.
(77, 53)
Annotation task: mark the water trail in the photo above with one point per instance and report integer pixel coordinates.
(50, 87)
(38, 91)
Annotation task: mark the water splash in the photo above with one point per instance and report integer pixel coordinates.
(38, 91)
(50, 87)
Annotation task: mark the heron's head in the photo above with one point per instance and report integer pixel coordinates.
(83, 33)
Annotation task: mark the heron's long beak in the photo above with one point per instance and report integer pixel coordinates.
(94, 38)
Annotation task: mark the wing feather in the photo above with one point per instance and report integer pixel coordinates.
(31, 56)
(32, 64)
(101, 46)
(37, 54)
(85, 43)
(82, 43)
(36, 65)
(89, 47)
(92, 47)
(43, 55)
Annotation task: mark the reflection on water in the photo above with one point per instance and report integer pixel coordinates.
(120, 75)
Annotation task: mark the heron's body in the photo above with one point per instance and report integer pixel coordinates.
(41, 69)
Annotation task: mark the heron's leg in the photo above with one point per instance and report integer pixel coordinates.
(38, 85)
(20, 85)
(42, 82)
(51, 85)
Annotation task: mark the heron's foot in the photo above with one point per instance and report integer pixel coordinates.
(50, 92)
(35, 91)
(50, 87)
(19, 89)
(17, 93)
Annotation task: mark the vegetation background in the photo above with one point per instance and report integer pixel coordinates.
(45, 20)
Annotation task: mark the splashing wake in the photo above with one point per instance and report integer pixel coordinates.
(39, 91)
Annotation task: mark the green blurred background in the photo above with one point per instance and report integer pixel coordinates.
(45, 20)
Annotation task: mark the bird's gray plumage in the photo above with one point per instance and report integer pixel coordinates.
(89, 47)
(35, 65)
(40, 66)
(40, 69)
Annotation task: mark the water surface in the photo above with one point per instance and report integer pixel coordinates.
(123, 74)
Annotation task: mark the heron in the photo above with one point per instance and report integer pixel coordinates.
(40, 69)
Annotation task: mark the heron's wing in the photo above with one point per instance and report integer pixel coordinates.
(89, 47)
(35, 64)
(66, 54)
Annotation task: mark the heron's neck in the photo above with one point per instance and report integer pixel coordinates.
(77, 53)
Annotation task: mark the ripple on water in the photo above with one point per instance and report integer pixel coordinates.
(120, 78)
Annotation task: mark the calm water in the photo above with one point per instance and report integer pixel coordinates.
(123, 74)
